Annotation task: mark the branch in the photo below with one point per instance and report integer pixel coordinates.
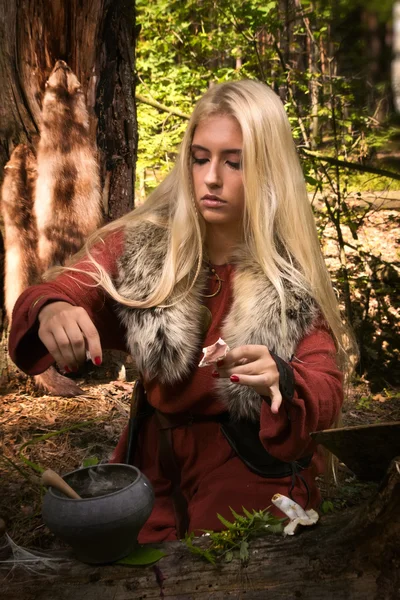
(350, 165)
(155, 104)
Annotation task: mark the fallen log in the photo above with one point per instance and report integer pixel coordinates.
(354, 555)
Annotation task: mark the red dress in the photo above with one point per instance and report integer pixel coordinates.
(213, 477)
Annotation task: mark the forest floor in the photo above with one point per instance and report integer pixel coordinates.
(63, 434)
(39, 432)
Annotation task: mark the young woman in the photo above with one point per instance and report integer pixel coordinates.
(225, 247)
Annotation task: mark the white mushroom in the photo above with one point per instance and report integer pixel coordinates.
(297, 515)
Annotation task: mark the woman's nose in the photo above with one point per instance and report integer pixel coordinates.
(213, 175)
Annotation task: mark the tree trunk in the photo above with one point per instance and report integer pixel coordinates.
(96, 39)
(351, 556)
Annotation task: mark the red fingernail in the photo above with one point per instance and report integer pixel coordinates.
(234, 378)
(67, 369)
(215, 374)
(97, 360)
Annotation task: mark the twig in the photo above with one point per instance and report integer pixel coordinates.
(350, 165)
(163, 107)
(46, 436)
(16, 467)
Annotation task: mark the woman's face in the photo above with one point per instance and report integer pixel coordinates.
(217, 171)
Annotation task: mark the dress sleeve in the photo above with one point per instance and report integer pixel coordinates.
(316, 402)
(26, 349)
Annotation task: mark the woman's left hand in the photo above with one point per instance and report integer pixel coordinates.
(252, 366)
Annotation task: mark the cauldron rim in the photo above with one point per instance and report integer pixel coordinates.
(65, 498)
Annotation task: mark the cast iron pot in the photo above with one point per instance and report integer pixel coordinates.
(103, 527)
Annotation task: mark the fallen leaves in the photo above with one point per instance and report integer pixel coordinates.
(23, 417)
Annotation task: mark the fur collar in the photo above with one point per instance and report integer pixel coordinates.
(166, 342)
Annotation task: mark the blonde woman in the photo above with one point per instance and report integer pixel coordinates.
(225, 247)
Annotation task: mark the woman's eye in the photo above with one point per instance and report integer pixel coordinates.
(199, 161)
(234, 165)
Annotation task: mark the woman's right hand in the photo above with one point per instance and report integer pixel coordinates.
(67, 332)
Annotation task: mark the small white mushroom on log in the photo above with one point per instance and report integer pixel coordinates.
(297, 515)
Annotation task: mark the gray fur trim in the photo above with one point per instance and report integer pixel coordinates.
(255, 318)
(166, 342)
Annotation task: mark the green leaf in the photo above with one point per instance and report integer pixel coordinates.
(244, 551)
(327, 506)
(90, 461)
(229, 556)
(239, 518)
(310, 180)
(247, 513)
(142, 555)
(224, 522)
(277, 528)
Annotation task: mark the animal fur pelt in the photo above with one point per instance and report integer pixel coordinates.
(21, 239)
(51, 204)
(166, 342)
(20, 231)
(67, 199)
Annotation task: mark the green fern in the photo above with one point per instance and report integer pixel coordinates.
(233, 541)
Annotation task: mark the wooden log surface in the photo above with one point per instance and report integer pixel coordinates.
(350, 556)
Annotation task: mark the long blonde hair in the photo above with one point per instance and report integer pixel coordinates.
(279, 229)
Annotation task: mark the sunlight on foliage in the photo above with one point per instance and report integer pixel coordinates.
(186, 46)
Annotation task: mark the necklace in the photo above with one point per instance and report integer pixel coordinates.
(212, 272)
(206, 315)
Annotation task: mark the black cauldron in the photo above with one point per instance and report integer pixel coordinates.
(102, 527)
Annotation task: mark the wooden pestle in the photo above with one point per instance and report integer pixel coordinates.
(51, 478)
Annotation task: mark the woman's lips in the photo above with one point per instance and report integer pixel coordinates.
(212, 201)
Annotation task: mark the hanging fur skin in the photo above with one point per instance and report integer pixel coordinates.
(165, 343)
(21, 238)
(20, 231)
(67, 199)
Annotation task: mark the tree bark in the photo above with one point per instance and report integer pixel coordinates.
(96, 38)
(350, 556)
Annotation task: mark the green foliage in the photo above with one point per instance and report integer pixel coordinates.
(142, 556)
(90, 461)
(365, 402)
(305, 55)
(234, 540)
(182, 48)
(327, 507)
(351, 493)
